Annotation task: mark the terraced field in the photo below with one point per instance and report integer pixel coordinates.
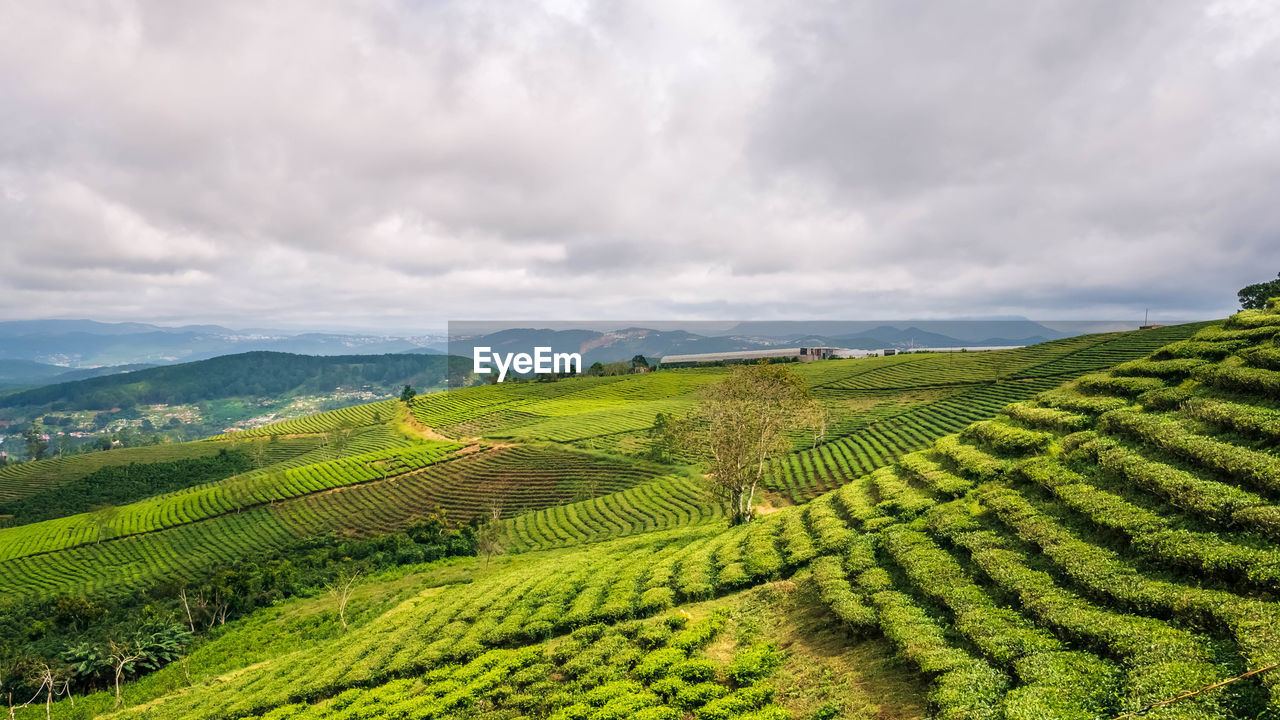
(1097, 549)
(936, 394)
(1032, 549)
(26, 479)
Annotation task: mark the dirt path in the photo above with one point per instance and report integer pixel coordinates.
(411, 423)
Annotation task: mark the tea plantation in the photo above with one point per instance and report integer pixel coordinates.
(1086, 528)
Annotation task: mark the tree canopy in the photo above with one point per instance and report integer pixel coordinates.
(1255, 296)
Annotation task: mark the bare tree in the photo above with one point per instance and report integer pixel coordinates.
(259, 454)
(191, 623)
(47, 681)
(4, 677)
(818, 419)
(121, 655)
(744, 422)
(340, 591)
(217, 608)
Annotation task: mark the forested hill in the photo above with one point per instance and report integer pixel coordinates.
(239, 375)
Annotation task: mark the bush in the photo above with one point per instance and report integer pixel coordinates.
(1173, 369)
(1006, 439)
(690, 697)
(1253, 422)
(1121, 386)
(839, 597)
(930, 473)
(698, 634)
(658, 663)
(694, 670)
(969, 459)
(1048, 418)
(736, 704)
(1241, 379)
(756, 663)
(1068, 399)
(1251, 467)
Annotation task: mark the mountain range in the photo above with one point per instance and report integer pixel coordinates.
(40, 352)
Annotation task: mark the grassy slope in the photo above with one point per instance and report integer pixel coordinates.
(881, 408)
(1112, 545)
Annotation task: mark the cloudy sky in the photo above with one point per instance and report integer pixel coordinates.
(395, 165)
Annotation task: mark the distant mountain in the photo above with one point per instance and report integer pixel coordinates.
(87, 343)
(253, 374)
(26, 373)
(77, 344)
(86, 373)
(961, 332)
(888, 336)
(602, 347)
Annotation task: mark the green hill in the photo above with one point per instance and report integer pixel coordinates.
(243, 374)
(1098, 537)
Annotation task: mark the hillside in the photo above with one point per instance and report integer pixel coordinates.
(87, 344)
(1099, 536)
(244, 374)
(192, 400)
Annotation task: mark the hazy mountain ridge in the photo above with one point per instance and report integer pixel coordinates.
(86, 343)
(77, 344)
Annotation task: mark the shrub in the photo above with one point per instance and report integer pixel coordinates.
(1241, 379)
(1122, 386)
(1006, 439)
(757, 662)
(1249, 466)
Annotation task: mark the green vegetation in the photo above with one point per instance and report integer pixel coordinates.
(117, 484)
(1255, 296)
(244, 374)
(1075, 530)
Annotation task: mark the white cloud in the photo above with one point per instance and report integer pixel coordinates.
(400, 164)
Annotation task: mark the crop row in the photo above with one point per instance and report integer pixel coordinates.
(641, 671)
(808, 473)
(1252, 468)
(19, 480)
(1160, 660)
(534, 600)
(659, 504)
(212, 499)
(1113, 350)
(354, 416)
(513, 480)
(964, 368)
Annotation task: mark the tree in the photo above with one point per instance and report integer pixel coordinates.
(407, 394)
(665, 437)
(596, 369)
(340, 591)
(123, 655)
(37, 441)
(639, 361)
(48, 680)
(817, 420)
(489, 535)
(744, 423)
(258, 451)
(1255, 296)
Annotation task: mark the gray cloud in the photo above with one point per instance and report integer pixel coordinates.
(399, 164)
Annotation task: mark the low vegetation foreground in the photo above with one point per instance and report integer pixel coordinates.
(1085, 528)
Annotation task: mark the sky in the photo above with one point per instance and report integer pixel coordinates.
(396, 165)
